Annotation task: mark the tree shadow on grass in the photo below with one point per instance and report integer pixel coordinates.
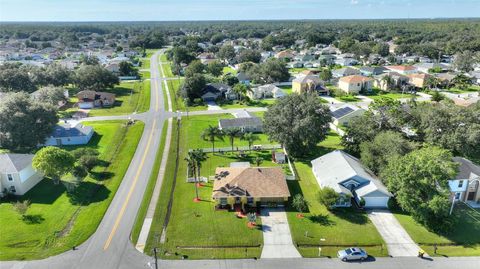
(322, 219)
(87, 193)
(45, 192)
(100, 176)
(351, 215)
(294, 188)
(33, 219)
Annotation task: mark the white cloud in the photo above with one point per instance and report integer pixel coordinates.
(354, 2)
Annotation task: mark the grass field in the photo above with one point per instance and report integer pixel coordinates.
(339, 228)
(464, 240)
(207, 233)
(348, 98)
(377, 95)
(471, 88)
(131, 96)
(228, 69)
(60, 220)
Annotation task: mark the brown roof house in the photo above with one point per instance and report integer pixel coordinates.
(249, 186)
(90, 99)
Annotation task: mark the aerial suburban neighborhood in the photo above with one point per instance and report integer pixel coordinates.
(251, 143)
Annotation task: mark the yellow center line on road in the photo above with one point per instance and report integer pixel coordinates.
(122, 211)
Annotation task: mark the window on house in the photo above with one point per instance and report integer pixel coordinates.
(457, 196)
(460, 183)
(223, 201)
(10, 177)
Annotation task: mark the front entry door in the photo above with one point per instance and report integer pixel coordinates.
(237, 200)
(471, 196)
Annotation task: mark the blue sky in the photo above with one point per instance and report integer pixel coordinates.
(168, 10)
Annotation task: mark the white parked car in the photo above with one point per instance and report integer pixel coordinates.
(351, 254)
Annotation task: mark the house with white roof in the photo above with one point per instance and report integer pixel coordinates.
(17, 175)
(346, 175)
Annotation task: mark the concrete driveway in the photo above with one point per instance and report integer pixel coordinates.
(277, 240)
(399, 243)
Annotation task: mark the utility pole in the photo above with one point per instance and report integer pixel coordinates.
(155, 254)
(453, 203)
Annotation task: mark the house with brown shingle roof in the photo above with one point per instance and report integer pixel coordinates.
(355, 83)
(418, 80)
(90, 99)
(249, 186)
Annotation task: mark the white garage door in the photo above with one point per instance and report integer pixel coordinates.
(376, 201)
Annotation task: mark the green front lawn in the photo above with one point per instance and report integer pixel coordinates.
(348, 98)
(130, 96)
(471, 88)
(393, 95)
(332, 230)
(196, 229)
(464, 240)
(228, 69)
(59, 220)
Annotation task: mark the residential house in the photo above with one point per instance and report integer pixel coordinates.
(214, 91)
(402, 69)
(17, 175)
(397, 81)
(465, 186)
(475, 75)
(67, 135)
(206, 57)
(249, 187)
(426, 67)
(304, 83)
(295, 64)
(346, 61)
(369, 71)
(243, 78)
(89, 99)
(344, 114)
(304, 58)
(354, 84)
(418, 80)
(446, 79)
(244, 121)
(285, 55)
(266, 91)
(327, 59)
(346, 175)
(346, 71)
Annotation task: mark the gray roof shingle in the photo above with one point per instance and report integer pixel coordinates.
(13, 163)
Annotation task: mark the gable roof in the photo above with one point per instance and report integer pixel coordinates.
(13, 163)
(346, 71)
(401, 67)
(68, 131)
(336, 167)
(467, 169)
(307, 78)
(240, 122)
(355, 79)
(250, 181)
(343, 111)
(216, 88)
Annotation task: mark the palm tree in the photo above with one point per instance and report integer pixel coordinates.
(212, 133)
(232, 133)
(200, 157)
(250, 138)
(192, 167)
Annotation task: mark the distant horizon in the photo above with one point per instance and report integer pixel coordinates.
(247, 20)
(233, 10)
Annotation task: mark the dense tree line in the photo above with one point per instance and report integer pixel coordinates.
(425, 37)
